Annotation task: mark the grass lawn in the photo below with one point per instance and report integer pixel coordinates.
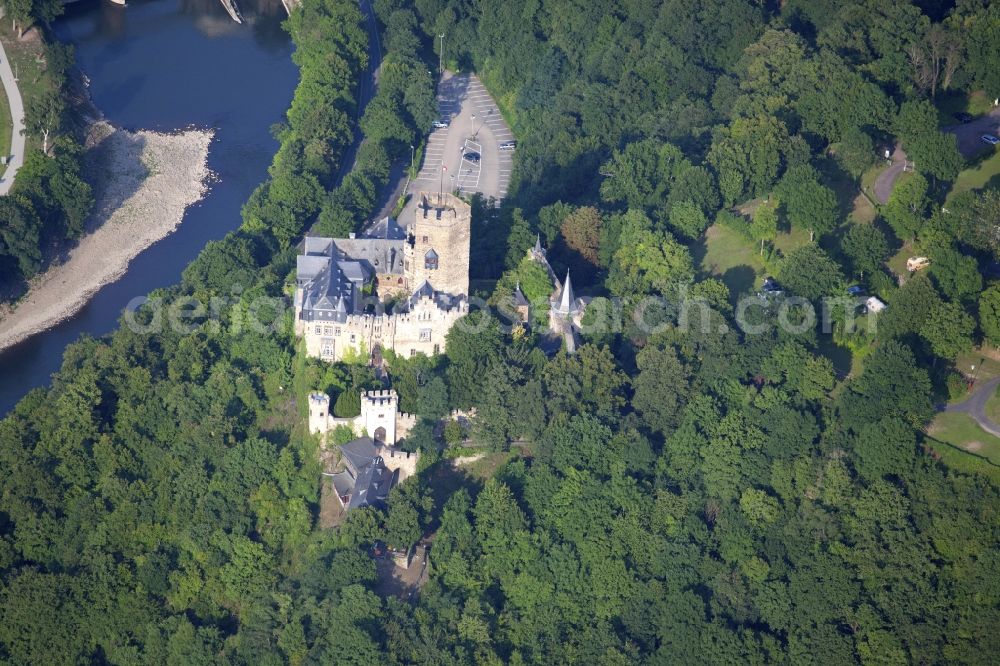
(985, 173)
(987, 367)
(725, 254)
(795, 238)
(960, 431)
(868, 177)
(948, 104)
(993, 407)
(27, 59)
(964, 446)
(863, 210)
(897, 262)
(853, 204)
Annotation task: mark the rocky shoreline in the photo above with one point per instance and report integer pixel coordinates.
(143, 183)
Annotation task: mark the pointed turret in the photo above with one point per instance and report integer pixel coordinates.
(567, 301)
(519, 298)
(340, 312)
(538, 244)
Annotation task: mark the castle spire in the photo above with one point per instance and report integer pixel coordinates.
(567, 302)
(340, 312)
(538, 244)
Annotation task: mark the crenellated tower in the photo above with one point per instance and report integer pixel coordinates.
(437, 249)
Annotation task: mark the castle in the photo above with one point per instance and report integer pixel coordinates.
(565, 309)
(344, 284)
(373, 465)
(380, 417)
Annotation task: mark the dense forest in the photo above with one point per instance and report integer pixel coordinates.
(49, 203)
(669, 494)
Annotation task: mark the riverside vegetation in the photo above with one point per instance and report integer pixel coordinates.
(693, 495)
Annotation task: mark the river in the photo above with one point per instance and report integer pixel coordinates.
(166, 65)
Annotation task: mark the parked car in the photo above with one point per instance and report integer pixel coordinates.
(508, 145)
(990, 139)
(963, 117)
(439, 124)
(770, 289)
(472, 157)
(856, 290)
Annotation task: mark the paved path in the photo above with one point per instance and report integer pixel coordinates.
(967, 135)
(887, 179)
(970, 134)
(367, 88)
(975, 406)
(17, 114)
(475, 125)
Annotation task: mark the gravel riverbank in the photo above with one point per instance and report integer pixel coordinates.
(143, 182)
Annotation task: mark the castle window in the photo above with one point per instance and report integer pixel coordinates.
(326, 350)
(425, 239)
(327, 330)
(319, 330)
(425, 335)
(437, 349)
(336, 331)
(431, 260)
(413, 352)
(353, 337)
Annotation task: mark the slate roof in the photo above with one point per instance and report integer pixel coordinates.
(366, 481)
(519, 299)
(378, 255)
(566, 303)
(358, 453)
(387, 229)
(372, 486)
(332, 272)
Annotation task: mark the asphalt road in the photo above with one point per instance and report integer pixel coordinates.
(367, 87)
(17, 114)
(474, 125)
(970, 143)
(887, 179)
(970, 134)
(975, 406)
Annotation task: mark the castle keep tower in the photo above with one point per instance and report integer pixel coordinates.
(437, 250)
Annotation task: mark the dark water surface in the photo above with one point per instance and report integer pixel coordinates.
(166, 65)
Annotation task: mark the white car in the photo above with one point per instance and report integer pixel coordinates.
(508, 145)
(439, 124)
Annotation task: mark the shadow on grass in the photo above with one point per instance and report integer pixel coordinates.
(740, 280)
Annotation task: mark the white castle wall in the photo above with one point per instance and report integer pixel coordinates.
(379, 409)
(421, 330)
(319, 413)
(397, 459)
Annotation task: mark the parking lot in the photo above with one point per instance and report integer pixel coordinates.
(474, 126)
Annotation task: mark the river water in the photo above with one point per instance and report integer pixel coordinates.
(166, 65)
